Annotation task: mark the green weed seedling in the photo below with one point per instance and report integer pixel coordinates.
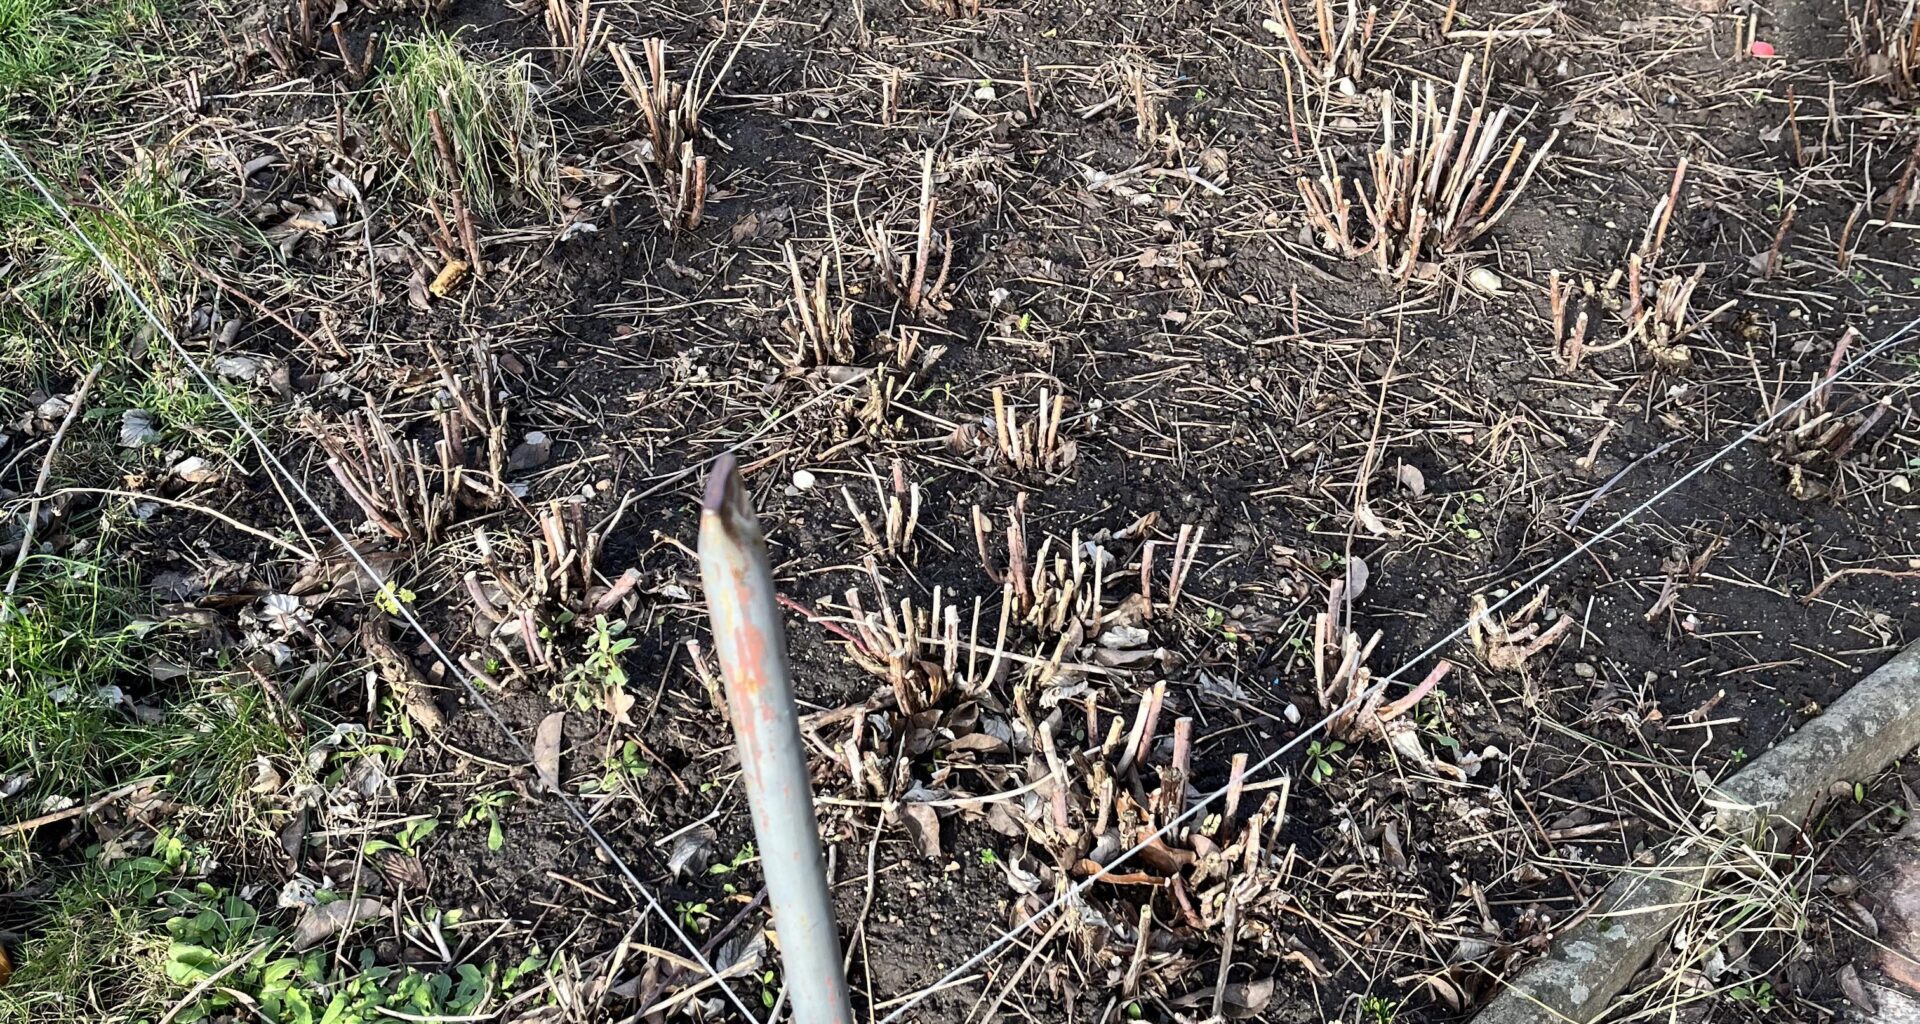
(1320, 763)
(407, 841)
(391, 597)
(693, 914)
(621, 767)
(745, 856)
(1462, 524)
(1758, 995)
(599, 674)
(1379, 1010)
(741, 858)
(485, 807)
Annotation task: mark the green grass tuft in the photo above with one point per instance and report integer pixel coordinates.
(500, 139)
(97, 955)
(73, 653)
(68, 636)
(51, 51)
(125, 941)
(63, 311)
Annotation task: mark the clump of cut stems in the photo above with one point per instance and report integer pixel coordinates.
(1662, 326)
(522, 604)
(1034, 443)
(1058, 593)
(1437, 183)
(671, 110)
(820, 327)
(1345, 685)
(290, 38)
(905, 275)
(1334, 46)
(901, 517)
(577, 33)
(1886, 45)
(411, 489)
(1814, 440)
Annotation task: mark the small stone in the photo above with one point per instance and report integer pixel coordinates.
(1899, 482)
(1584, 670)
(534, 451)
(804, 479)
(1484, 280)
(1290, 712)
(985, 94)
(196, 470)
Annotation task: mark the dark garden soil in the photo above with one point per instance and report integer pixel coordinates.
(1120, 190)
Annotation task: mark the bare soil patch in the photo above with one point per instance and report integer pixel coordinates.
(1048, 281)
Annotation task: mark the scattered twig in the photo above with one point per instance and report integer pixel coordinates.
(74, 404)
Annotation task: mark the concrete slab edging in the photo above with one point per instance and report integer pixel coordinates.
(1874, 723)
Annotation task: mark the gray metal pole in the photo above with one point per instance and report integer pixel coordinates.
(751, 642)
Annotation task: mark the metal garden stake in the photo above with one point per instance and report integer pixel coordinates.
(752, 645)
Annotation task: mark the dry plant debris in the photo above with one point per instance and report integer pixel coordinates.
(672, 113)
(1109, 389)
(1435, 185)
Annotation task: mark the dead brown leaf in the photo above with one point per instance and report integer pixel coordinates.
(1248, 998)
(401, 870)
(546, 750)
(318, 924)
(923, 824)
(1856, 990)
(401, 676)
(1410, 477)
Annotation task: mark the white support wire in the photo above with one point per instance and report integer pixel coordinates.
(1200, 806)
(1011, 935)
(453, 668)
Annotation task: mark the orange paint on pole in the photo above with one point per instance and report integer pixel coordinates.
(750, 641)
